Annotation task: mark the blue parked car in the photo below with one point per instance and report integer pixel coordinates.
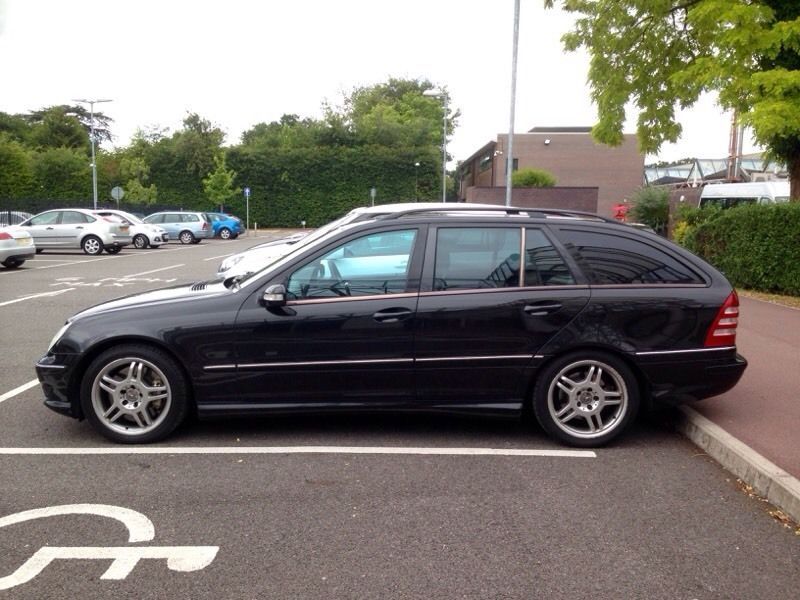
(225, 226)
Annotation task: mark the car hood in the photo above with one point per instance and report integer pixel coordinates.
(179, 293)
(253, 260)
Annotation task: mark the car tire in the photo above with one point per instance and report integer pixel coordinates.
(39, 250)
(585, 399)
(92, 245)
(196, 241)
(225, 233)
(140, 241)
(186, 237)
(13, 263)
(113, 249)
(115, 391)
(234, 236)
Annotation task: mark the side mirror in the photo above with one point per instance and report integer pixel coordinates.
(275, 295)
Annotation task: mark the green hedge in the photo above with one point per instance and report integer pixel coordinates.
(757, 247)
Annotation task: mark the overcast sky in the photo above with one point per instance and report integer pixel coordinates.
(241, 62)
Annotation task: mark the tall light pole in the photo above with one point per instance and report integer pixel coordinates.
(510, 157)
(443, 95)
(91, 104)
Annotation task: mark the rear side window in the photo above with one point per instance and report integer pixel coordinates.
(71, 217)
(614, 260)
(476, 257)
(543, 264)
(189, 218)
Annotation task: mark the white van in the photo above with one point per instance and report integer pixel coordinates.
(727, 195)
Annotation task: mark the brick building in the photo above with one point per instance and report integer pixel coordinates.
(569, 153)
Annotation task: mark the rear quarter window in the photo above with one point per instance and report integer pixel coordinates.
(609, 259)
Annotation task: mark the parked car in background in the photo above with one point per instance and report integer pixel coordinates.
(187, 227)
(77, 228)
(143, 234)
(225, 226)
(572, 318)
(727, 195)
(258, 257)
(16, 246)
(13, 217)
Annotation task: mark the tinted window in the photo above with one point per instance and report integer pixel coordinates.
(157, 218)
(543, 264)
(476, 257)
(189, 218)
(369, 265)
(610, 259)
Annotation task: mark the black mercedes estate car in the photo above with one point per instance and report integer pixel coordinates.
(460, 308)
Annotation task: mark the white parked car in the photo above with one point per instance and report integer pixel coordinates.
(258, 257)
(77, 228)
(16, 246)
(143, 234)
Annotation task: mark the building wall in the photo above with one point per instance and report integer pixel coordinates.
(567, 198)
(577, 160)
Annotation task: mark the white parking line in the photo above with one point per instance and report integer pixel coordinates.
(19, 390)
(153, 271)
(127, 450)
(33, 296)
(217, 257)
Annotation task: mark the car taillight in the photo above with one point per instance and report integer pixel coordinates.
(723, 330)
(205, 225)
(4, 235)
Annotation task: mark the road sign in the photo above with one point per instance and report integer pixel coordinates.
(247, 192)
(117, 193)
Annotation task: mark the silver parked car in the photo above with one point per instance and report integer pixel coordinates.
(16, 246)
(188, 227)
(77, 228)
(144, 235)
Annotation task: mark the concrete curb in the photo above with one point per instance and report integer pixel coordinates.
(767, 479)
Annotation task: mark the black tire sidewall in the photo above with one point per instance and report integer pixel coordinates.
(179, 405)
(545, 378)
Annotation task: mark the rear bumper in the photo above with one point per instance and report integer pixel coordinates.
(685, 378)
(19, 253)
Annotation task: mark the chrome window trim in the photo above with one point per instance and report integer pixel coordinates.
(498, 357)
(508, 290)
(523, 257)
(350, 298)
(627, 286)
(657, 352)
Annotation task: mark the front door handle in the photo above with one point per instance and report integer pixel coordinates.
(540, 310)
(79, 227)
(392, 315)
(49, 228)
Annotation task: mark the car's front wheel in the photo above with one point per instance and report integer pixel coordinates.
(134, 394)
(585, 399)
(186, 237)
(140, 241)
(13, 263)
(92, 245)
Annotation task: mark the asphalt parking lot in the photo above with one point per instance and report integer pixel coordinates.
(347, 507)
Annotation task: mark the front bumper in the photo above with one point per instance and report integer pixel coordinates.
(54, 376)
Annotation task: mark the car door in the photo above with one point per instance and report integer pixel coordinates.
(345, 333)
(71, 228)
(491, 297)
(42, 228)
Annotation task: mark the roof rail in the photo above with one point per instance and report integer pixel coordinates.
(510, 210)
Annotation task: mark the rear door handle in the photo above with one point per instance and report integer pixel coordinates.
(540, 310)
(392, 315)
(79, 227)
(49, 228)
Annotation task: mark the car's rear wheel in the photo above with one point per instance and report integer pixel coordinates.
(225, 233)
(585, 399)
(92, 245)
(134, 394)
(13, 263)
(140, 241)
(186, 237)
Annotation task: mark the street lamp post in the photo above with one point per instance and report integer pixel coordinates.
(510, 157)
(91, 104)
(443, 95)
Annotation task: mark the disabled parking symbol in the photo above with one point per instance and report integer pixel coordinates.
(124, 558)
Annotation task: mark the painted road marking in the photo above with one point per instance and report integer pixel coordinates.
(33, 296)
(153, 271)
(125, 450)
(19, 390)
(124, 558)
(218, 257)
(117, 281)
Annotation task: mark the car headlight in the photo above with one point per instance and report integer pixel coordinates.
(59, 334)
(230, 262)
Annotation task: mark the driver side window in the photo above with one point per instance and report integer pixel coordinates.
(373, 264)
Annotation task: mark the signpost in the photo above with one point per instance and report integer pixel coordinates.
(247, 208)
(372, 193)
(117, 193)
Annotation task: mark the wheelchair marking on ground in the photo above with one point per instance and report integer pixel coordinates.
(376, 450)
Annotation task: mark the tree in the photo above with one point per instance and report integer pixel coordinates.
(218, 186)
(63, 174)
(532, 178)
(135, 171)
(651, 207)
(16, 174)
(54, 128)
(662, 54)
